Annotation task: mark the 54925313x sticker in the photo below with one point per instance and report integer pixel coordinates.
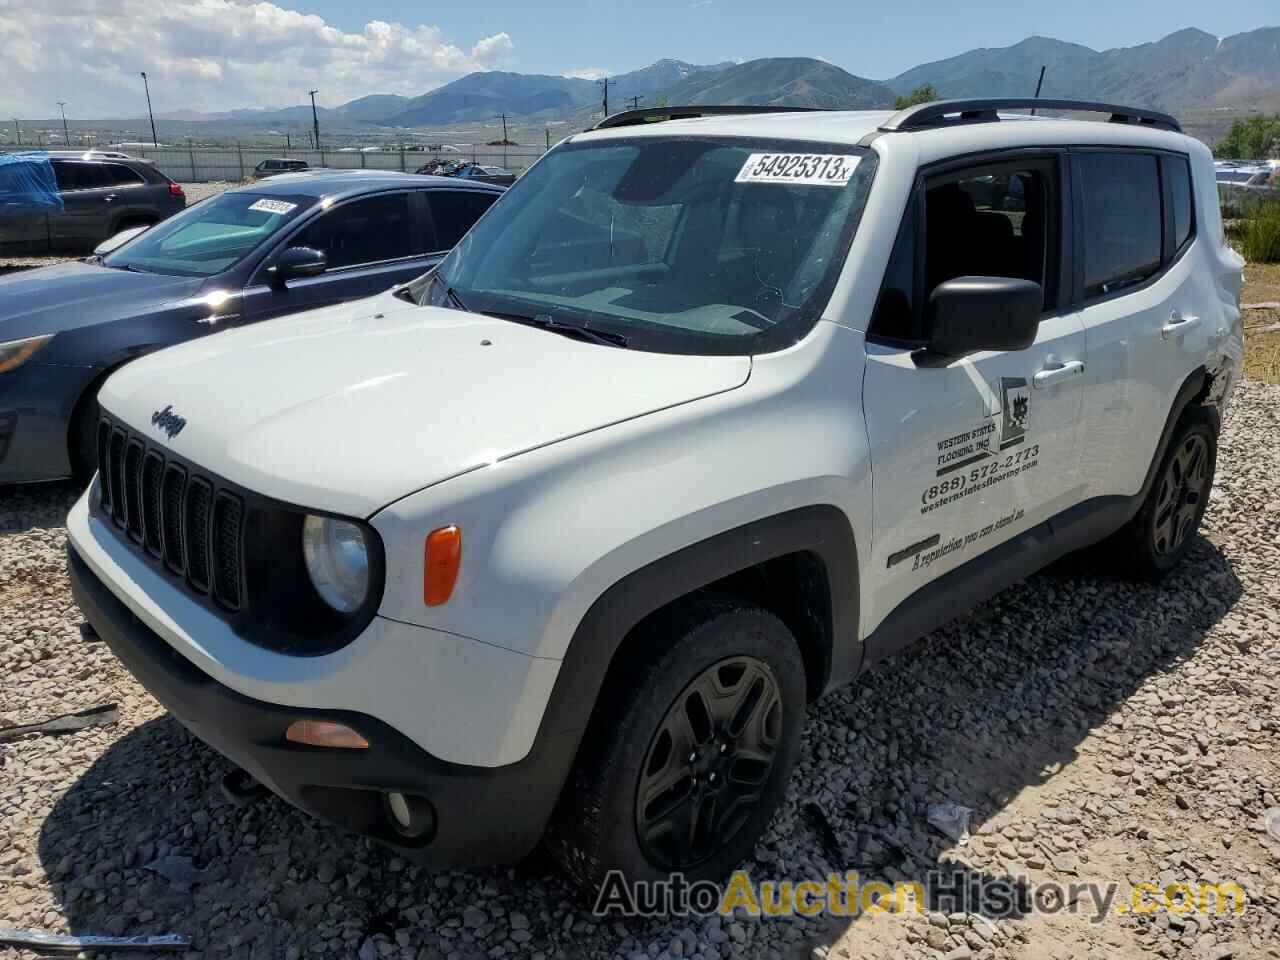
(805, 169)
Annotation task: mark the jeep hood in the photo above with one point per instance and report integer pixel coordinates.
(348, 408)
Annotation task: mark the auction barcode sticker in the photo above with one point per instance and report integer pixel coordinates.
(272, 206)
(810, 169)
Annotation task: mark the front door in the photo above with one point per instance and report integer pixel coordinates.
(371, 244)
(968, 452)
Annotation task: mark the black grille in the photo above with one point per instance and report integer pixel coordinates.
(173, 515)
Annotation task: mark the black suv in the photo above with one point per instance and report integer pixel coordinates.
(277, 166)
(100, 197)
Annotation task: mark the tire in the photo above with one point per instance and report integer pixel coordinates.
(702, 737)
(1153, 542)
(82, 443)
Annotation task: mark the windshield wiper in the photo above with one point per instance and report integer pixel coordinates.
(545, 321)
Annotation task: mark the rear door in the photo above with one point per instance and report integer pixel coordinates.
(453, 212)
(969, 452)
(371, 243)
(1141, 302)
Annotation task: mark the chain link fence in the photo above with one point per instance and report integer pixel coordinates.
(204, 164)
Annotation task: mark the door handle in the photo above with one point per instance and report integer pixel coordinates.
(1178, 324)
(1048, 376)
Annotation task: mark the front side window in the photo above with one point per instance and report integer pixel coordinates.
(1122, 220)
(367, 230)
(998, 220)
(209, 237)
(683, 245)
(79, 175)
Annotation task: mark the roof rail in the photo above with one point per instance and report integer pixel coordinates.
(947, 112)
(631, 118)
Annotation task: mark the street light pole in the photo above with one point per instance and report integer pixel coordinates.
(146, 86)
(66, 134)
(315, 118)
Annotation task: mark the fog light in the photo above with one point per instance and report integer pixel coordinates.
(410, 816)
(325, 733)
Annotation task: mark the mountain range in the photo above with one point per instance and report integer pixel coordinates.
(1185, 71)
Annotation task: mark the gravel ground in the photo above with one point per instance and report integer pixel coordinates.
(1099, 730)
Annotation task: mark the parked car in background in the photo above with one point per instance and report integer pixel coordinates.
(298, 242)
(1261, 184)
(440, 167)
(96, 197)
(277, 166)
(485, 173)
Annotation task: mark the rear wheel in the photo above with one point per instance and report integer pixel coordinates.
(1162, 532)
(691, 759)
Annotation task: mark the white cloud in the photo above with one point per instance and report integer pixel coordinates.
(587, 73)
(698, 4)
(212, 55)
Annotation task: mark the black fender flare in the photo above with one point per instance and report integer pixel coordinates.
(822, 530)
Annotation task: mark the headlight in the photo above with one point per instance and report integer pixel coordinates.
(17, 352)
(337, 559)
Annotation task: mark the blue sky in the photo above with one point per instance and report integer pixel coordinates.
(871, 40)
(212, 55)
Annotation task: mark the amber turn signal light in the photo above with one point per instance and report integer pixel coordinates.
(325, 733)
(443, 555)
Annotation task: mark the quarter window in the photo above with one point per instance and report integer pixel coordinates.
(1177, 177)
(368, 230)
(1122, 220)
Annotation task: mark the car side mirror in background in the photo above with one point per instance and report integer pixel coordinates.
(969, 314)
(114, 243)
(295, 263)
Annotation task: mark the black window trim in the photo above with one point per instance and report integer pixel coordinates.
(1067, 216)
(1168, 256)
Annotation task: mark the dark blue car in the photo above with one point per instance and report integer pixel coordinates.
(295, 242)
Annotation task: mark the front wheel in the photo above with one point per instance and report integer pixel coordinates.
(685, 768)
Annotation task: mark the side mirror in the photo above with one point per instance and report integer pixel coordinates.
(295, 263)
(114, 243)
(969, 314)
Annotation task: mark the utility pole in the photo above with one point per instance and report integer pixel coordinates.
(604, 83)
(547, 131)
(635, 102)
(146, 86)
(17, 131)
(315, 118)
(288, 144)
(504, 128)
(66, 134)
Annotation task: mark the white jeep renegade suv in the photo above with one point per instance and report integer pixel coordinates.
(703, 417)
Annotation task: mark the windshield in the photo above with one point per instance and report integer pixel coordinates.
(209, 237)
(681, 245)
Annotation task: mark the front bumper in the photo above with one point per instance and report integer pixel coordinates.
(483, 815)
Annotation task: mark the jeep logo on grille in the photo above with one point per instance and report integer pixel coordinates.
(168, 421)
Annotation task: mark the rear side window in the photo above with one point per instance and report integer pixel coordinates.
(1177, 179)
(368, 230)
(1122, 220)
(454, 211)
(118, 175)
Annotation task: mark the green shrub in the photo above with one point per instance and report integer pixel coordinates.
(1260, 239)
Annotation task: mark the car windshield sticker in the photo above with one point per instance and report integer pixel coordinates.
(272, 206)
(807, 169)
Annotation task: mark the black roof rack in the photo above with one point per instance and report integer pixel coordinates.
(631, 118)
(944, 112)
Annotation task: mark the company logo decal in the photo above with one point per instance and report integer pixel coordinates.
(168, 421)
